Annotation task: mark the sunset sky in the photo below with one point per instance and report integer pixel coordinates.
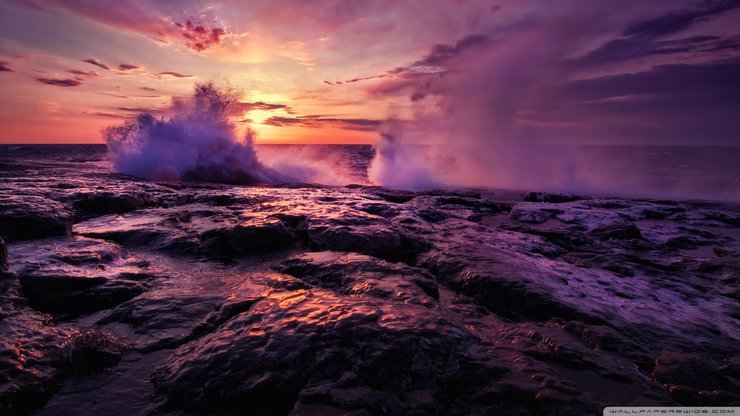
(332, 70)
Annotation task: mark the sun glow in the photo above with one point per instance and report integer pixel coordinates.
(258, 116)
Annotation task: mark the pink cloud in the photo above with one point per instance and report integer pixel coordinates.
(139, 18)
(198, 37)
(175, 74)
(90, 74)
(127, 67)
(97, 63)
(60, 82)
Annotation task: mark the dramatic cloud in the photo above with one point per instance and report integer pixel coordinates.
(441, 54)
(198, 37)
(97, 63)
(644, 38)
(140, 18)
(464, 70)
(434, 62)
(175, 74)
(5, 67)
(317, 121)
(60, 82)
(680, 20)
(127, 67)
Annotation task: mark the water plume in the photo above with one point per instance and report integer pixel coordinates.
(196, 143)
(517, 109)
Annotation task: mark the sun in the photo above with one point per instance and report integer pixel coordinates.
(258, 116)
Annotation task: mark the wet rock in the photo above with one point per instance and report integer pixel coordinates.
(262, 234)
(77, 275)
(433, 215)
(379, 209)
(26, 217)
(395, 196)
(549, 309)
(551, 198)
(162, 319)
(29, 342)
(533, 214)
(255, 234)
(693, 381)
(510, 288)
(340, 353)
(616, 264)
(359, 275)
(361, 234)
(691, 370)
(99, 203)
(617, 231)
(162, 229)
(3, 256)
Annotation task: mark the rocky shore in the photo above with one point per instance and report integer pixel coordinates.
(135, 297)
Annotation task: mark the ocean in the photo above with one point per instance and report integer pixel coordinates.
(680, 172)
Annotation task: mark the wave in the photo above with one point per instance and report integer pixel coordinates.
(196, 143)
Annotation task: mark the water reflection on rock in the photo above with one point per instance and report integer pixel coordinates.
(361, 300)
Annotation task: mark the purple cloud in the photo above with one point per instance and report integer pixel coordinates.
(90, 74)
(198, 37)
(132, 16)
(97, 63)
(175, 74)
(317, 121)
(260, 105)
(59, 82)
(4, 67)
(679, 20)
(127, 67)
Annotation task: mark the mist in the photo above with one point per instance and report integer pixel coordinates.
(523, 110)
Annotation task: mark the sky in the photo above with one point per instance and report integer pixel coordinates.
(341, 71)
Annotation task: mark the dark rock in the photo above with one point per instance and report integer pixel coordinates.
(163, 319)
(551, 198)
(26, 217)
(616, 264)
(395, 196)
(359, 275)
(509, 288)
(3, 256)
(28, 347)
(163, 229)
(99, 203)
(433, 215)
(62, 294)
(533, 214)
(340, 353)
(368, 236)
(261, 234)
(691, 370)
(380, 209)
(452, 194)
(76, 275)
(617, 231)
